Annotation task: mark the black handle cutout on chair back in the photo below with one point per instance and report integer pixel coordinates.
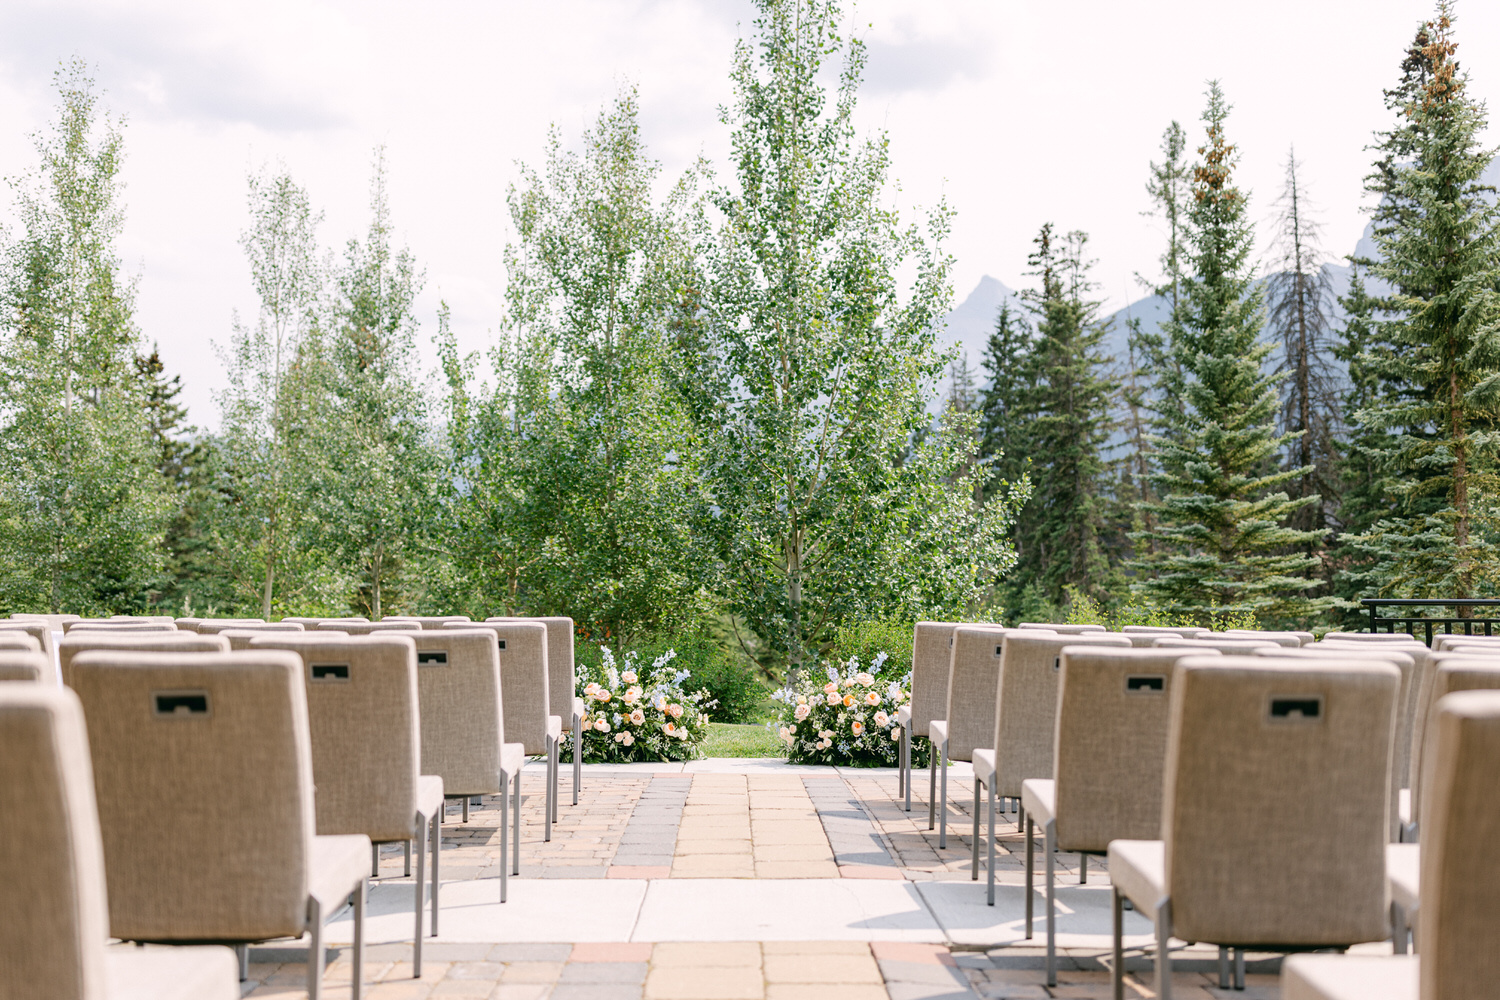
(330, 671)
(998, 649)
(1146, 684)
(499, 643)
(1298, 709)
(432, 658)
(180, 704)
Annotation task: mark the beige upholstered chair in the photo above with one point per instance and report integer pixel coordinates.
(26, 665)
(186, 624)
(1182, 632)
(1444, 643)
(19, 642)
(1371, 637)
(427, 621)
(40, 631)
(1246, 731)
(931, 656)
(215, 627)
(1063, 629)
(308, 624)
(54, 919)
(366, 628)
(968, 718)
(1020, 738)
(108, 626)
(1460, 875)
(366, 749)
(134, 642)
(1220, 642)
(524, 684)
(562, 688)
(203, 773)
(1113, 710)
(1401, 737)
(56, 622)
(1289, 639)
(463, 728)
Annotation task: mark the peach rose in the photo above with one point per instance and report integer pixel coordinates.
(857, 728)
(801, 713)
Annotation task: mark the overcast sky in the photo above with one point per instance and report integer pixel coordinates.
(1019, 112)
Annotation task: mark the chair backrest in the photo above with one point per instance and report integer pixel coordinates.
(1290, 639)
(215, 627)
(40, 631)
(203, 773)
(186, 624)
(365, 628)
(55, 621)
(19, 642)
(26, 665)
(524, 682)
(1403, 661)
(1372, 636)
(1024, 712)
(1111, 743)
(1416, 696)
(931, 656)
(1224, 644)
(562, 679)
(157, 619)
(1307, 744)
(973, 675)
(463, 721)
(1181, 631)
(107, 626)
(55, 923)
(148, 642)
(1459, 923)
(1063, 628)
(432, 622)
(308, 624)
(1452, 672)
(366, 729)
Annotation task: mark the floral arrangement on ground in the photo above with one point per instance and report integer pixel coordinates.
(635, 713)
(846, 718)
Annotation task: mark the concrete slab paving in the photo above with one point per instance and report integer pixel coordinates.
(784, 910)
(1083, 915)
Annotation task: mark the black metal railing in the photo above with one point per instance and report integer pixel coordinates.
(1467, 624)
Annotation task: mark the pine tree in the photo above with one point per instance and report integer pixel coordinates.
(1006, 362)
(1436, 351)
(1301, 299)
(1223, 546)
(1067, 408)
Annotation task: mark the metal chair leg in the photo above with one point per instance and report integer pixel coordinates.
(437, 853)
(1030, 877)
(1083, 868)
(515, 819)
(242, 952)
(358, 958)
(1049, 845)
(374, 860)
(505, 781)
(1117, 974)
(406, 845)
(932, 763)
(547, 793)
(1163, 952)
(974, 852)
(1239, 968)
(943, 797)
(1399, 931)
(466, 808)
(906, 752)
(556, 776)
(577, 757)
(420, 901)
(1223, 967)
(990, 845)
(314, 950)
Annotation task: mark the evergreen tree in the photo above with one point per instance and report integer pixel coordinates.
(1436, 351)
(82, 508)
(1300, 301)
(1002, 426)
(1223, 545)
(1067, 408)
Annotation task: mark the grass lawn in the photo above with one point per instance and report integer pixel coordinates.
(725, 740)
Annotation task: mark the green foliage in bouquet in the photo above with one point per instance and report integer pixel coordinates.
(848, 717)
(640, 713)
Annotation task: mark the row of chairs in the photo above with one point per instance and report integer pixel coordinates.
(210, 694)
(1159, 758)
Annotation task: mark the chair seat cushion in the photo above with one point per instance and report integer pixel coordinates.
(984, 766)
(554, 727)
(1039, 799)
(579, 710)
(903, 715)
(1138, 868)
(937, 731)
(512, 759)
(199, 972)
(1403, 869)
(337, 867)
(1349, 977)
(429, 795)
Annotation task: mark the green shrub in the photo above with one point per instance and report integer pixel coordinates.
(865, 639)
(735, 688)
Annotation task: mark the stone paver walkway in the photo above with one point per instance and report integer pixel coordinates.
(733, 880)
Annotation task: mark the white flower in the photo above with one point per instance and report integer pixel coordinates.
(603, 694)
(591, 688)
(834, 699)
(629, 677)
(631, 695)
(879, 661)
(893, 692)
(881, 719)
(802, 712)
(864, 679)
(895, 735)
(872, 698)
(833, 675)
(802, 699)
(620, 736)
(627, 737)
(637, 718)
(674, 710)
(602, 725)
(826, 734)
